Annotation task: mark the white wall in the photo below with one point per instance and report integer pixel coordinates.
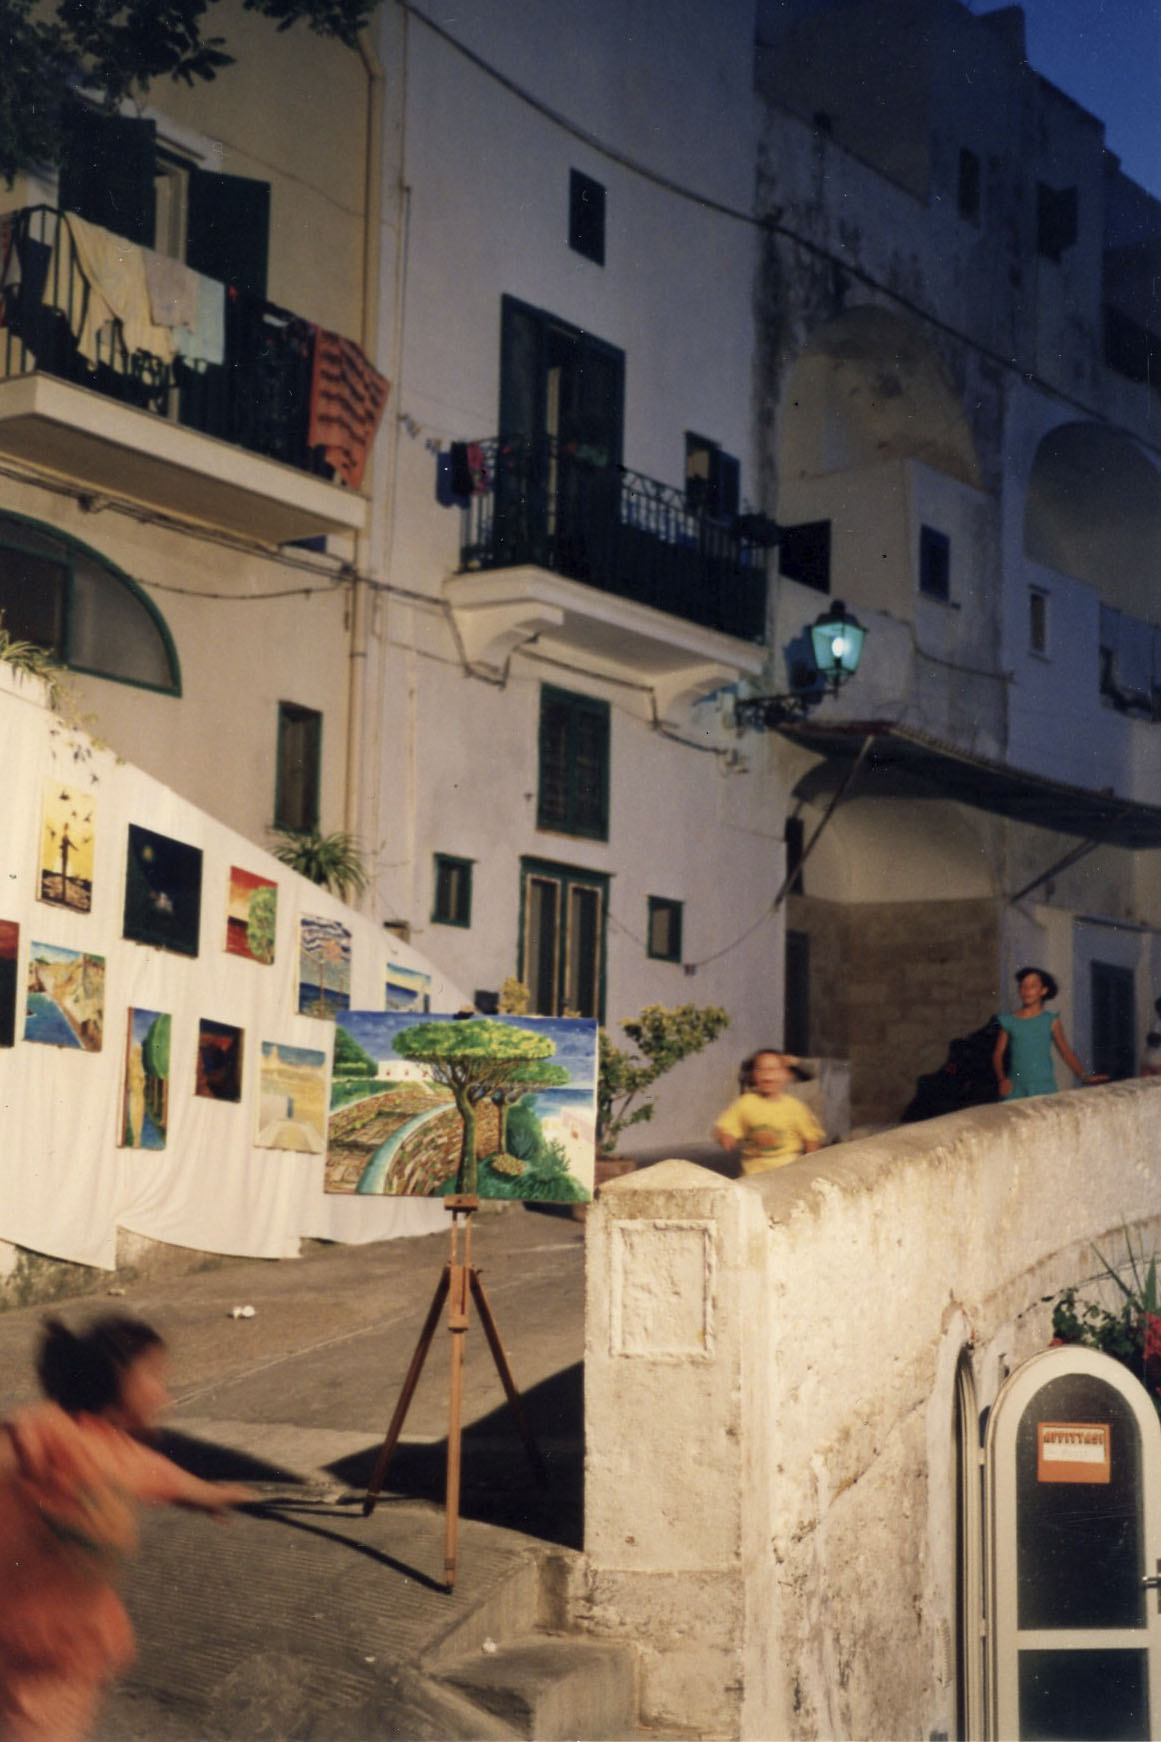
(792, 1572)
(67, 1185)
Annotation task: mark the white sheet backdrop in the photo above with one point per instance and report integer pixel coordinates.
(65, 1185)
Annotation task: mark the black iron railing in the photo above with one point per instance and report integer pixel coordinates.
(564, 508)
(257, 398)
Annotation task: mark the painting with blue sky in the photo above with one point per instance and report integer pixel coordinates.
(482, 1106)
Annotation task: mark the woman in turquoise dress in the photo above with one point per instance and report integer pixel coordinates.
(1032, 1032)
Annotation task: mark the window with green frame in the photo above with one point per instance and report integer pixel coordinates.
(299, 772)
(664, 933)
(563, 912)
(81, 608)
(573, 789)
(452, 895)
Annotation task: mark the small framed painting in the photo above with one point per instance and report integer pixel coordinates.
(219, 1068)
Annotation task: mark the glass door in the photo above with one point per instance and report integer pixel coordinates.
(1074, 1579)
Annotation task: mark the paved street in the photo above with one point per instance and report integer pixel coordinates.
(301, 1618)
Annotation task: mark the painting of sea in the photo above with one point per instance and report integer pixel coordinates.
(489, 1107)
(219, 1073)
(324, 967)
(9, 950)
(163, 891)
(66, 847)
(145, 1102)
(251, 915)
(66, 998)
(292, 1099)
(407, 988)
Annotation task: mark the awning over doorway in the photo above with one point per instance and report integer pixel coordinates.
(902, 763)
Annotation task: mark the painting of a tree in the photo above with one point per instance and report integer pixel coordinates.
(475, 1058)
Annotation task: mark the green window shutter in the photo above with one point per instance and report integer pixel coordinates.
(552, 804)
(522, 370)
(106, 171)
(573, 793)
(228, 229)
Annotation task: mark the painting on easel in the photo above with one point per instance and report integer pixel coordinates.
(487, 1106)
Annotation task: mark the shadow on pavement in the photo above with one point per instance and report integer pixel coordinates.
(498, 1485)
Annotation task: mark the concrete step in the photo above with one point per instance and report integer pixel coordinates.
(553, 1687)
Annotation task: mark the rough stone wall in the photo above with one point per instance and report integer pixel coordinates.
(771, 1395)
(891, 983)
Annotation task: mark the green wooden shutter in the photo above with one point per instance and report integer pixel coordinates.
(106, 171)
(228, 229)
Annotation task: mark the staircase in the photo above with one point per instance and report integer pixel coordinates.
(512, 1669)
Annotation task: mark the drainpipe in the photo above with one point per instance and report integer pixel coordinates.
(366, 543)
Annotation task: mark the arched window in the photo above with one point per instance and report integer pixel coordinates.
(81, 608)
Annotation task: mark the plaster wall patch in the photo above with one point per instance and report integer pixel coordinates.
(662, 1293)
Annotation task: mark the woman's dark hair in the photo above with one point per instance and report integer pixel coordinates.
(82, 1370)
(1050, 986)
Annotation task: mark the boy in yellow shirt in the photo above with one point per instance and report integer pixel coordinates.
(765, 1125)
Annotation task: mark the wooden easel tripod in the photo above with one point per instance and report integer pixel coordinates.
(459, 1279)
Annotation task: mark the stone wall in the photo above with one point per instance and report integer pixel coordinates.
(771, 1385)
(891, 984)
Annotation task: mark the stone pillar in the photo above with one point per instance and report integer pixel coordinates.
(677, 1492)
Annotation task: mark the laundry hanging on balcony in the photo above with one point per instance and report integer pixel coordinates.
(113, 270)
(191, 305)
(347, 398)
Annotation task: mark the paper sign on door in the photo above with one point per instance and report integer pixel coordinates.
(1073, 1451)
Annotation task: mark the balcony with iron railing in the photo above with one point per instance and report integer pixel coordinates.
(564, 509)
(145, 434)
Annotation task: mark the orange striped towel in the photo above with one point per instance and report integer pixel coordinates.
(347, 398)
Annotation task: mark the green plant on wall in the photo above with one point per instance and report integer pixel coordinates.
(34, 661)
(1130, 1330)
(662, 1038)
(334, 862)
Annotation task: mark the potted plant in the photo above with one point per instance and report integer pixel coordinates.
(661, 1038)
(1130, 1331)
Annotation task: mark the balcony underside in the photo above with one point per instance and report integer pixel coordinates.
(904, 764)
(115, 450)
(500, 610)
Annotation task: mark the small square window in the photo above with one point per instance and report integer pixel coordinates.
(804, 554)
(1037, 620)
(296, 797)
(968, 190)
(452, 902)
(664, 929)
(586, 217)
(934, 563)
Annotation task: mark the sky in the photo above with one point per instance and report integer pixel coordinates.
(1107, 55)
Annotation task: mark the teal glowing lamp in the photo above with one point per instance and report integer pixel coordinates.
(836, 643)
(836, 639)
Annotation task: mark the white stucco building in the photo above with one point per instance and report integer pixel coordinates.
(958, 316)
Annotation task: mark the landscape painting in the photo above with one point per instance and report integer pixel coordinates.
(324, 967)
(292, 1099)
(219, 1072)
(488, 1107)
(66, 998)
(251, 915)
(145, 1102)
(163, 892)
(407, 988)
(66, 848)
(9, 951)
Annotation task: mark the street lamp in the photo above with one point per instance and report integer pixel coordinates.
(836, 641)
